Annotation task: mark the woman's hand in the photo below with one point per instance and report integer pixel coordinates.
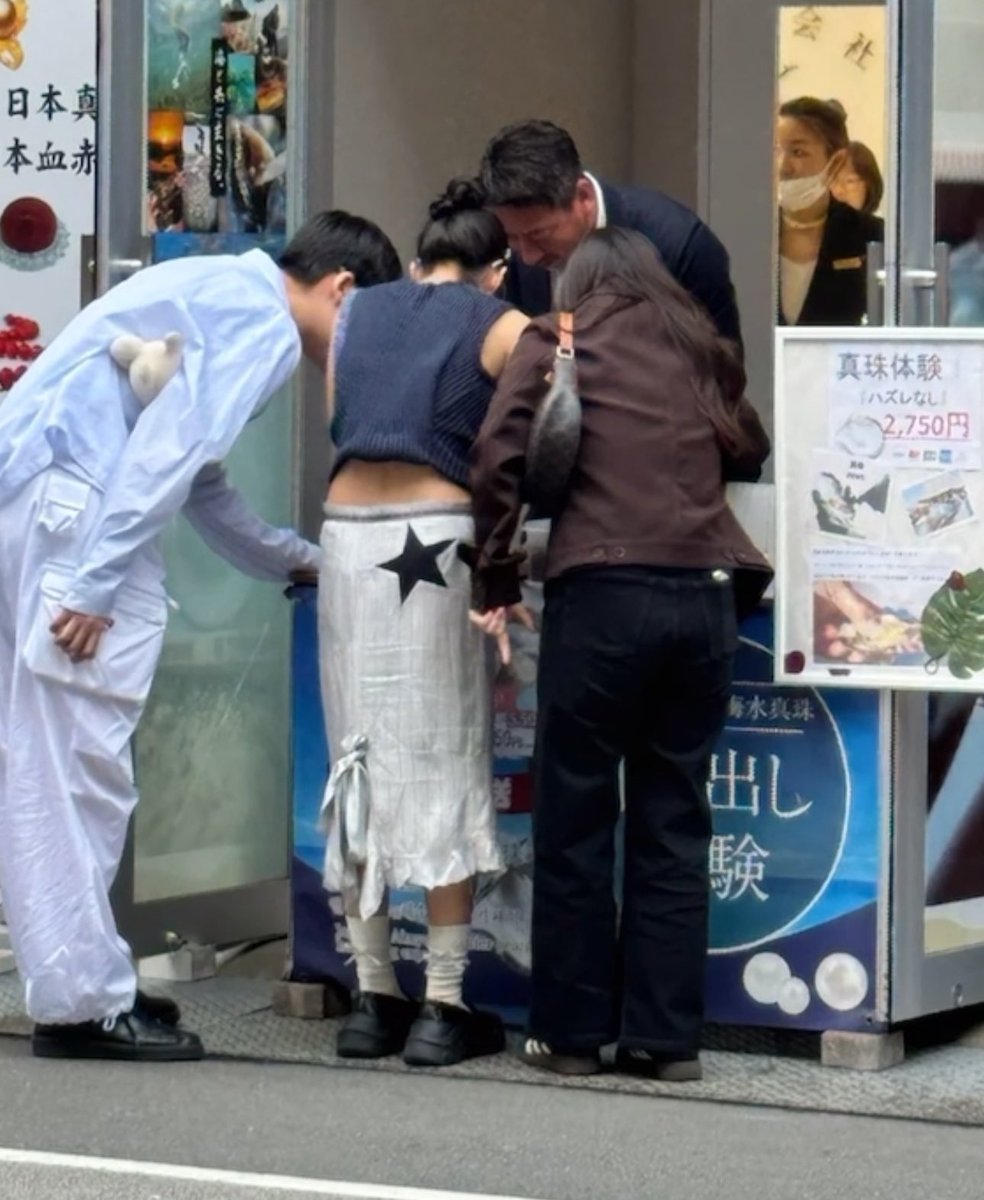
(495, 622)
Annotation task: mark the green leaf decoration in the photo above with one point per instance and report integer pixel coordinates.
(953, 625)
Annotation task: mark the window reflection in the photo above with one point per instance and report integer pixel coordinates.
(830, 140)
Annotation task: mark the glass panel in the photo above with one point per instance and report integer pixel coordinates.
(213, 748)
(213, 751)
(955, 822)
(831, 147)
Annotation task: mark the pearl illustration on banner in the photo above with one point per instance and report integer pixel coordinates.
(13, 18)
(793, 998)
(764, 977)
(841, 982)
(31, 236)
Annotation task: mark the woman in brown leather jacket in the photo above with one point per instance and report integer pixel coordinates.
(647, 574)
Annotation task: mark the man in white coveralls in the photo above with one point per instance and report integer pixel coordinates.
(120, 424)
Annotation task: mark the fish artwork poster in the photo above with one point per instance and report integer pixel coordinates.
(217, 132)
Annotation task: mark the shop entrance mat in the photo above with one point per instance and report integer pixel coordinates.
(936, 1083)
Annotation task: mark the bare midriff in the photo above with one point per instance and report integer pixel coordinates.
(360, 484)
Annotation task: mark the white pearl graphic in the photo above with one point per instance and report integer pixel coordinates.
(794, 997)
(841, 982)
(764, 976)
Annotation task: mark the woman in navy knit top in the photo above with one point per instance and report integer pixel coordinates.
(406, 678)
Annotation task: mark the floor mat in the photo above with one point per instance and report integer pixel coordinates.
(942, 1083)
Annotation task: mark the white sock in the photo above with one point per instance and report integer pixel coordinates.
(371, 948)
(447, 957)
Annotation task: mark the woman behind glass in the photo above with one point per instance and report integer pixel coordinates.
(859, 182)
(405, 678)
(646, 571)
(823, 243)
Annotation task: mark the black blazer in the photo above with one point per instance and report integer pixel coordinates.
(838, 293)
(693, 255)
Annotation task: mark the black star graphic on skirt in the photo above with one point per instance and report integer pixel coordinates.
(417, 564)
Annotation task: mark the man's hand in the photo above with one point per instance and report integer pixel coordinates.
(79, 635)
(304, 576)
(495, 623)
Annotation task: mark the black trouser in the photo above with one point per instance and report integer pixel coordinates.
(635, 667)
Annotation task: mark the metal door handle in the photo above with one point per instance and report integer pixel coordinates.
(931, 288)
(876, 284)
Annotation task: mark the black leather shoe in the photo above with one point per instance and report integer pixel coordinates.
(653, 1066)
(376, 1027)
(158, 1008)
(133, 1037)
(444, 1034)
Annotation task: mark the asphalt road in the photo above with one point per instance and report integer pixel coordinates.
(312, 1125)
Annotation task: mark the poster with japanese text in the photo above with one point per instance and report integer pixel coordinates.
(47, 171)
(795, 860)
(216, 117)
(881, 499)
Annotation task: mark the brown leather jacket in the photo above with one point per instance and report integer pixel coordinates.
(649, 485)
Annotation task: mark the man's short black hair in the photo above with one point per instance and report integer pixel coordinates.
(338, 241)
(531, 163)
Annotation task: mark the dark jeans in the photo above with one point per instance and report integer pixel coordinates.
(635, 667)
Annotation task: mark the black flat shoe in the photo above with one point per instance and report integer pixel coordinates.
(377, 1026)
(444, 1035)
(132, 1037)
(653, 1066)
(158, 1008)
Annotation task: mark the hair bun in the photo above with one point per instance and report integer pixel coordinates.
(461, 195)
(838, 108)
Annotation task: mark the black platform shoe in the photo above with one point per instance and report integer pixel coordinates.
(132, 1037)
(376, 1027)
(444, 1034)
(158, 1008)
(661, 1067)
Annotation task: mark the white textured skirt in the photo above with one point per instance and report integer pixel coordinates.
(407, 690)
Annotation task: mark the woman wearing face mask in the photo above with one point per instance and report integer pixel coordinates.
(823, 243)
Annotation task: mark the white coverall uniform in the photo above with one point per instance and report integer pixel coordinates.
(88, 480)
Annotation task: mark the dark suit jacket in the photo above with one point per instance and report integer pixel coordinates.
(692, 254)
(838, 293)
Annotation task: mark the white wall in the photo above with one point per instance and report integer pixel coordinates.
(421, 86)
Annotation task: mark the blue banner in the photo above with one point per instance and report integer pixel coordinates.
(795, 860)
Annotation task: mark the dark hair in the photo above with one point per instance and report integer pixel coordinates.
(461, 230)
(338, 241)
(826, 118)
(865, 166)
(622, 262)
(531, 163)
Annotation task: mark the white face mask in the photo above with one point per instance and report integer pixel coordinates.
(795, 195)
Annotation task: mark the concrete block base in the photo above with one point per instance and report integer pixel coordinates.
(862, 1051)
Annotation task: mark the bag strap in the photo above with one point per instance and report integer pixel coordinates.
(565, 335)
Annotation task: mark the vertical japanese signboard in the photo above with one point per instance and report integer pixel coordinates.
(880, 500)
(217, 82)
(47, 171)
(796, 855)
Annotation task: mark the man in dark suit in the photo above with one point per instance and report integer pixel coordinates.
(548, 203)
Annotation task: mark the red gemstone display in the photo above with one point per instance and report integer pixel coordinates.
(28, 225)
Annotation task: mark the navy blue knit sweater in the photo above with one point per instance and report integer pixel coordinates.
(409, 383)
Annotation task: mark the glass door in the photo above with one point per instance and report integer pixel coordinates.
(938, 938)
(764, 58)
(184, 127)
